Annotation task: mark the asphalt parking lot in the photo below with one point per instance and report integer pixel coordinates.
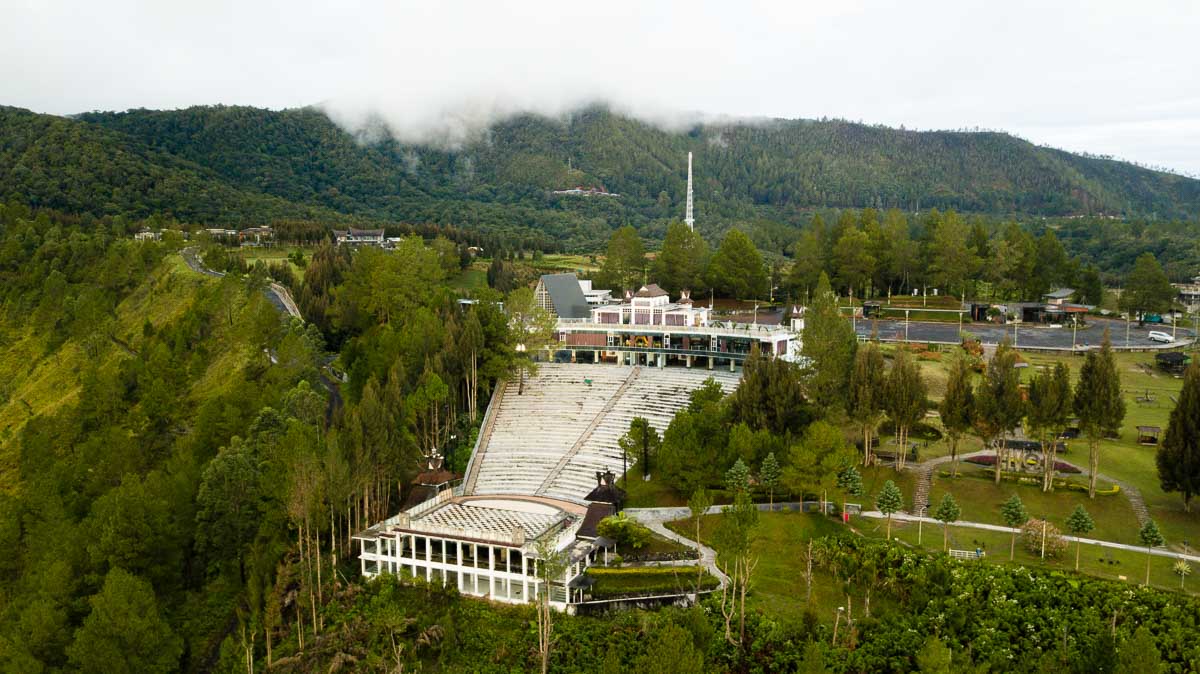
(1027, 334)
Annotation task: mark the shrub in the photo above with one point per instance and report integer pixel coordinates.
(626, 532)
(1031, 538)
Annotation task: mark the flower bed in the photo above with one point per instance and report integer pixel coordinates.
(1030, 479)
(989, 460)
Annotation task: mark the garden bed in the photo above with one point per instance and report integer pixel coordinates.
(647, 581)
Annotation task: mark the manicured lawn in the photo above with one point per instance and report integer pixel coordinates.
(274, 255)
(777, 584)
(1096, 561)
(980, 500)
(657, 545)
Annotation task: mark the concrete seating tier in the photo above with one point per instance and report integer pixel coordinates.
(560, 411)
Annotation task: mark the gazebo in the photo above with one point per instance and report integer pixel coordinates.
(1148, 435)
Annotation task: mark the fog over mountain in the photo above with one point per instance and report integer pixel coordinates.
(1102, 77)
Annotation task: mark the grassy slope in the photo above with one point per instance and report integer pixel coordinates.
(41, 383)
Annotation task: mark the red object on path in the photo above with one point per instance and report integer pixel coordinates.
(846, 517)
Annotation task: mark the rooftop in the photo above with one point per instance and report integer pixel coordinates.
(651, 290)
(486, 518)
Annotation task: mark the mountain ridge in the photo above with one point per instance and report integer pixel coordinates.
(238, 164)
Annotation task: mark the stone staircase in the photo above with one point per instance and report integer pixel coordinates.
(587, 433)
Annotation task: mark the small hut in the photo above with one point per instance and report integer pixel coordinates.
(1174, 362)
(1148, 435)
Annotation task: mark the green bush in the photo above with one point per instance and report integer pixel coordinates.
(626, 532)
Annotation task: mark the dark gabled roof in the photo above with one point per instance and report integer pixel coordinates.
(606, 493)
(419, 494)
(651, 290)
(566, 295)
(595, 513)
(366, 232)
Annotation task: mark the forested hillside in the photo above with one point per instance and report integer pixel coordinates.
(238, 165)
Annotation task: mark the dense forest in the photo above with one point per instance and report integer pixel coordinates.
(241, 166)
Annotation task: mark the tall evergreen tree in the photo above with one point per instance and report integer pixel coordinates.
(868, 381)
(680, 264)
(1179, 455)
(998, 403)
(1098, 403)
(1148, 289)
(625, 263)
(828, 342)
(737, 270)
(768, 476)
(125, 632)
(905, 402)
(957, 407)
(1050, 404)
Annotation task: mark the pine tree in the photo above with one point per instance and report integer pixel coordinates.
(1179, 455)
(905, 402)
(737, 478)
(1150, 537)
(850, 483)
(1139, 654)
(1079, 523)
(998, 403)
(957, 408)
(868, 380)
(889, 501)
(768, 476)
(828, 342)
(737, 270)
(1149, 289)
(1098, 404)
(625, 263)
(947, 512)
(1015, 516)
(680, 264)
(1047, 413)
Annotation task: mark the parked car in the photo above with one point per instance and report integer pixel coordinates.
(1156, 336)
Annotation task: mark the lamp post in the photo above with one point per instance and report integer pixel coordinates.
(520, 348)
(921, 520)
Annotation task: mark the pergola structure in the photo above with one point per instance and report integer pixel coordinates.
(1148, 435)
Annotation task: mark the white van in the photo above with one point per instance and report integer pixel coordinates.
(1156, 336)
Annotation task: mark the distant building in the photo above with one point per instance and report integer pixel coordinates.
(1059, 296)
(588, 192)
(594, 296)
(256, 236)
(359, 237)
(1189, 294)
(648, 328)
(147, 234)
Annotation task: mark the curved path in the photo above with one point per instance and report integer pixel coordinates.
(925, 471)
(654, 519)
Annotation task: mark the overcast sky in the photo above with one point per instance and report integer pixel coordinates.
(1119, 77)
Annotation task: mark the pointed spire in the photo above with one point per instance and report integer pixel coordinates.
(688, 219)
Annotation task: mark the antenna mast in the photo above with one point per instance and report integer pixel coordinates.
(688, 219)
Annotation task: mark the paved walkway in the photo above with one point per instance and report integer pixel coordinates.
(654, 519)
(1161, 552)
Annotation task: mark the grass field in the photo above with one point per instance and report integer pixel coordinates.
(273, 255)
(778, 585)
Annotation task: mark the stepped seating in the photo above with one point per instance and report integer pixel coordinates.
(530, 447)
